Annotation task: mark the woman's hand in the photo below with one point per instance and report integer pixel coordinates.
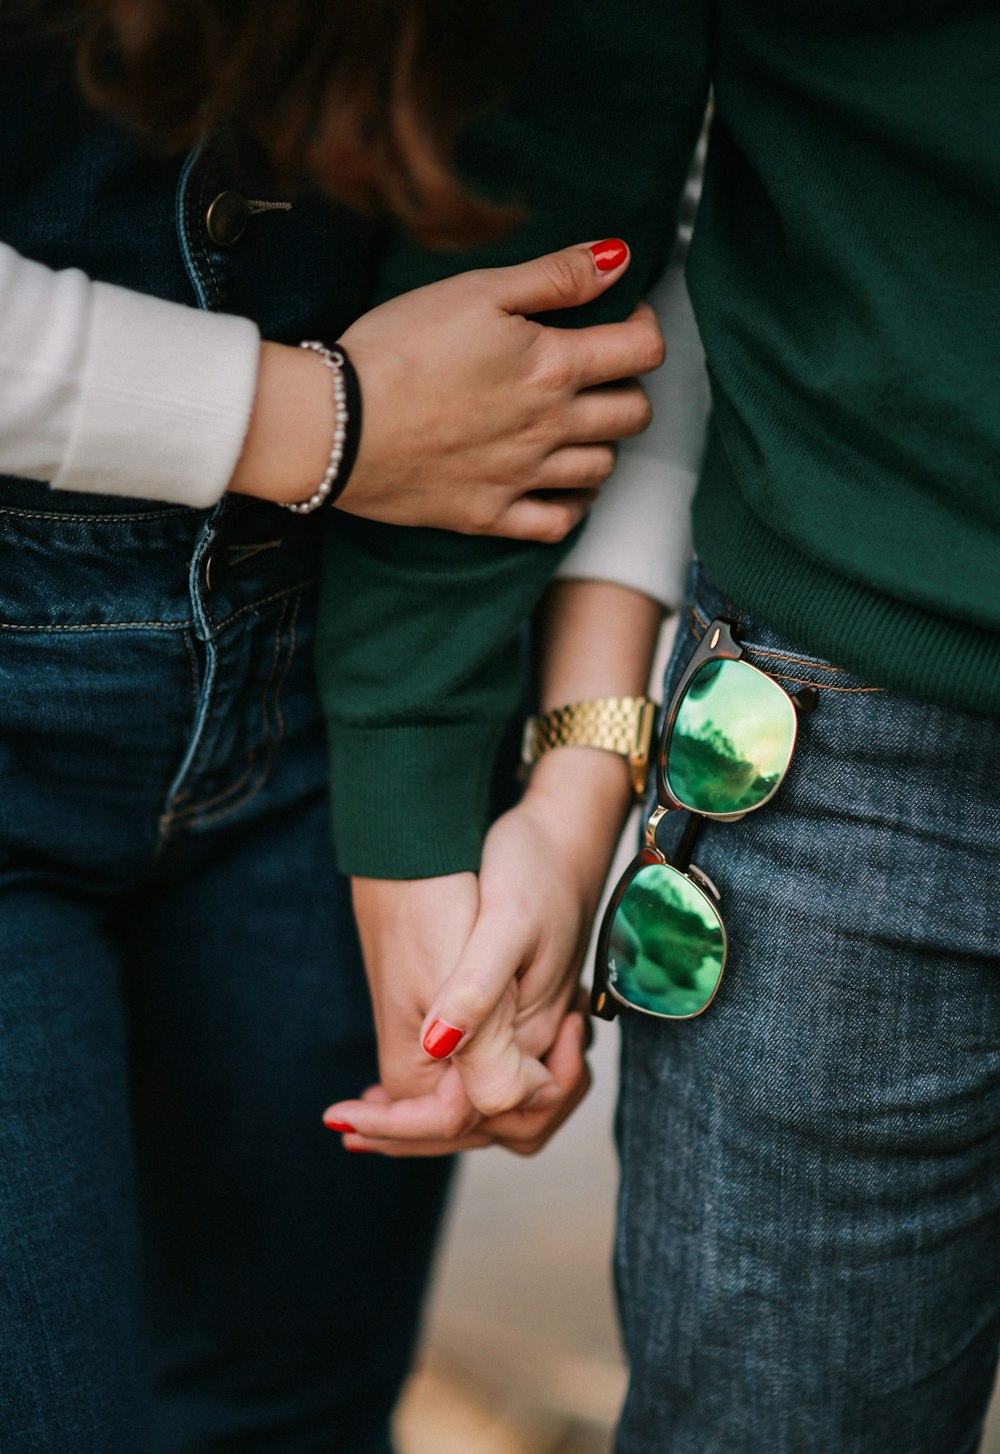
(411, 934)
(421, 1124)
(470, 407)
(503, 1017)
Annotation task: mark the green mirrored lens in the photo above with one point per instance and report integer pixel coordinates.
(732, 739)
(667, 945)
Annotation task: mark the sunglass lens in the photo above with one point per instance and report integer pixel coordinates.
(666, 945)
(731, 741)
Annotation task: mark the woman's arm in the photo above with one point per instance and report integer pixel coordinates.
(107, 390)
(110, 391)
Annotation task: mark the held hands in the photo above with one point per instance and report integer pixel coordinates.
(515, 1065)
(470, 406)
(408, 930)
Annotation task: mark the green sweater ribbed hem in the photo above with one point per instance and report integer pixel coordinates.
(411, 801)
(887, 642)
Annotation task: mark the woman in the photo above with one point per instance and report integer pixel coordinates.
(189, 1262)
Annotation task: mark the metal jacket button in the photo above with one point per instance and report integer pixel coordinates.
(216, 571)
(226, 218)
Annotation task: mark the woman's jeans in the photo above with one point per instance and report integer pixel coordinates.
(189, 1261)
(808, 1256)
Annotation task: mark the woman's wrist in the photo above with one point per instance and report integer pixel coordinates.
(583, 795)
(287, 445)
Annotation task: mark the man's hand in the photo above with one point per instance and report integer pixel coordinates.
(502, 1016)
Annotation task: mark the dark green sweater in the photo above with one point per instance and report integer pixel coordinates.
(845, 275)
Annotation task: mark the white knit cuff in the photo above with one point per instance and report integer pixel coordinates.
(165, 400)
(639, 532)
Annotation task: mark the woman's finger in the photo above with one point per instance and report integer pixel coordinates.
(534, 517)
(605, 352)
(444, 1114)
(611, 411)
(484, 975)
(578, 466)
(564, 279)
(417, 1148)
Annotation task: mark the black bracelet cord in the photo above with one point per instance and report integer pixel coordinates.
(352, 442)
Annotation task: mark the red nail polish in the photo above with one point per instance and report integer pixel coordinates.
(342, 1127)
(358, 1150)
(441, 1040)
(609, 255)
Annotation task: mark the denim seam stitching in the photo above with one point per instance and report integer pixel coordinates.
(194, 815)
(91, 519)
(193, 247)
(266, 600)
(208, 160)
(822, 686)
(103, 626)
(193, 662)
(764, 653)
(192, 810)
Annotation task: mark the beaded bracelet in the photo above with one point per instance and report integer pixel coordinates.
(346, 428)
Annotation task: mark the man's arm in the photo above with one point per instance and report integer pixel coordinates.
(418, 659)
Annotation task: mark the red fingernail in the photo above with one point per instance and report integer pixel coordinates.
(441, 1040)
(358, 1150)
(341, 1126)
(609, 255)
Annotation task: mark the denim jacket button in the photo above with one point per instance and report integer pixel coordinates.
(226, 218)
(215, 573)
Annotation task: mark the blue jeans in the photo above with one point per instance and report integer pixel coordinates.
(808, 1257)
(188, 1259)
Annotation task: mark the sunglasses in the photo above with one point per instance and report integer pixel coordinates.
(725, 749)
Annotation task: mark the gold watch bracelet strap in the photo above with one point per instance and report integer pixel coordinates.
(615, 724)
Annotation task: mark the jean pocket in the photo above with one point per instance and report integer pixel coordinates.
(777, 655)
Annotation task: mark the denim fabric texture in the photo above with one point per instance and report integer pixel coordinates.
(188, 1259)
(808, 1257)
(76, 190)
(189, 1262)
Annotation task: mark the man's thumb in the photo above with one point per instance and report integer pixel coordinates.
(562, 279)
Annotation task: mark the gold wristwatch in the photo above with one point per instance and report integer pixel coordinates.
(615, 724)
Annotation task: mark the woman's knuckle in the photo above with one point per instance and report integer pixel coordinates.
(558, 523)
(655, 350)
(455, 1124)
(551, 368)
(472, 1004)
(643, 413)
(563, 276)
(483, 515)
(601, 464)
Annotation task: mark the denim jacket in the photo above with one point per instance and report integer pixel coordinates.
(78, 190)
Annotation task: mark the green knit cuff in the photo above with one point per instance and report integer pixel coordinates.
(411, 802)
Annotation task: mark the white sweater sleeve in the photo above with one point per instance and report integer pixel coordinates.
(113, 392)
(639, 531)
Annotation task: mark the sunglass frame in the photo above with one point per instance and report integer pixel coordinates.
(717, 644)
(606, 1002)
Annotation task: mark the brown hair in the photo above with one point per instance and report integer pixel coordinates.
(368, 97)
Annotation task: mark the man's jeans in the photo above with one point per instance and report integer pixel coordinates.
(188, 1259)
(808, 1257)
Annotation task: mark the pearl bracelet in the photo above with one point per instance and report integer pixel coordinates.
(334, 360)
